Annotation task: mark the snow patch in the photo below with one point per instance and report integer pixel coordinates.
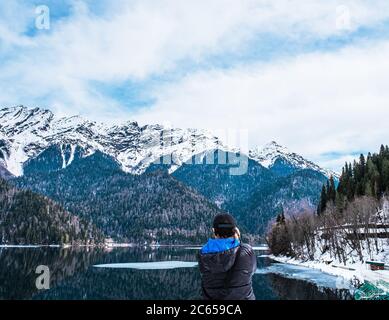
(315, 276)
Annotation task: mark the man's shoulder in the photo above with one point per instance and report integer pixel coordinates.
(246, 249)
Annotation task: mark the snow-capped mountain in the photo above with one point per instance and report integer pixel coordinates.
(38, 147)
(272, 153)
(27, 132)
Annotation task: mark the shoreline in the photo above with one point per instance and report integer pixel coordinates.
(117, 245)
(63, 246)
(355, 273)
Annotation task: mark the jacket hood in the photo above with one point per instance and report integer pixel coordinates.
(219, 245)
(218, 255)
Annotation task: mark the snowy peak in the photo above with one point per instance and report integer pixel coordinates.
(272, 152)
(27, 132)
(19, 120)
(268, 154)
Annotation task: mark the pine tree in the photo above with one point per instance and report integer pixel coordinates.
(382, 151)
(385, 175)
(372, 180)
(323, 200)
(332, 190)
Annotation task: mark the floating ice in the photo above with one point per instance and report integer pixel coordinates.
(317, 277)
(20, 246)
(255, 248)
(261, 248)
(159, 265)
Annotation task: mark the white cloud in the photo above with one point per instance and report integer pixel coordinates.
(338, 162)
(297, 101)
(314, 104)
(14, 20)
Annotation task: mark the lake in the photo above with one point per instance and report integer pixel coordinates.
(146, 273)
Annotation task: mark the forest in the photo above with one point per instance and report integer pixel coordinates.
(352, 220)
(27, 218)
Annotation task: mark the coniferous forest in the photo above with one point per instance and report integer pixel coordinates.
(367, 177)
(352, 221)
(29, 218)
(126, 207)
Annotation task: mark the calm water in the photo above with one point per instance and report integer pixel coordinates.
(74, 276)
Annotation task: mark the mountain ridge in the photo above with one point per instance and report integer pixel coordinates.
(27, 132)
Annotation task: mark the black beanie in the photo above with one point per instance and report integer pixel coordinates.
(224, 221)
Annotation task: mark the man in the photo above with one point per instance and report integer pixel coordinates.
(226, 264)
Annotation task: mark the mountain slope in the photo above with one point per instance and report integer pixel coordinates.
(256, 197)
(295, 193)
(215, 182)
(4, 173)
(126, 207)
(28, 218)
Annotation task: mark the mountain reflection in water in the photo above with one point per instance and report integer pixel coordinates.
(73, 276)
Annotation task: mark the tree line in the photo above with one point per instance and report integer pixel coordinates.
(352, 220)
(369, 176)
(27, 218)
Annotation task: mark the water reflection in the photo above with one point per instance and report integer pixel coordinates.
(18, 265)
(292, 289)
(74, 277)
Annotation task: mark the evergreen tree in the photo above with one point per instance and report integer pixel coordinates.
(385, 175)
(332, 190)
(368, 176)
(323, 200)
(281, 217)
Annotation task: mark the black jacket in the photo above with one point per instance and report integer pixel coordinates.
(227, 275)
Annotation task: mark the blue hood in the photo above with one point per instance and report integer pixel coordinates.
(220, 245)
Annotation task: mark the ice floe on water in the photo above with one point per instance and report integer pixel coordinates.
(260, 248)
(255, 248)
(159, 265)
(317, 277)
(20, 246)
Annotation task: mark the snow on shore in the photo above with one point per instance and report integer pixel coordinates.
(319, 278)
(355, 272)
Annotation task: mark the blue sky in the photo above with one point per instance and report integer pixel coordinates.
(310, 74)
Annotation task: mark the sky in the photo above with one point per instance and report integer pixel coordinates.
(311, 75)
